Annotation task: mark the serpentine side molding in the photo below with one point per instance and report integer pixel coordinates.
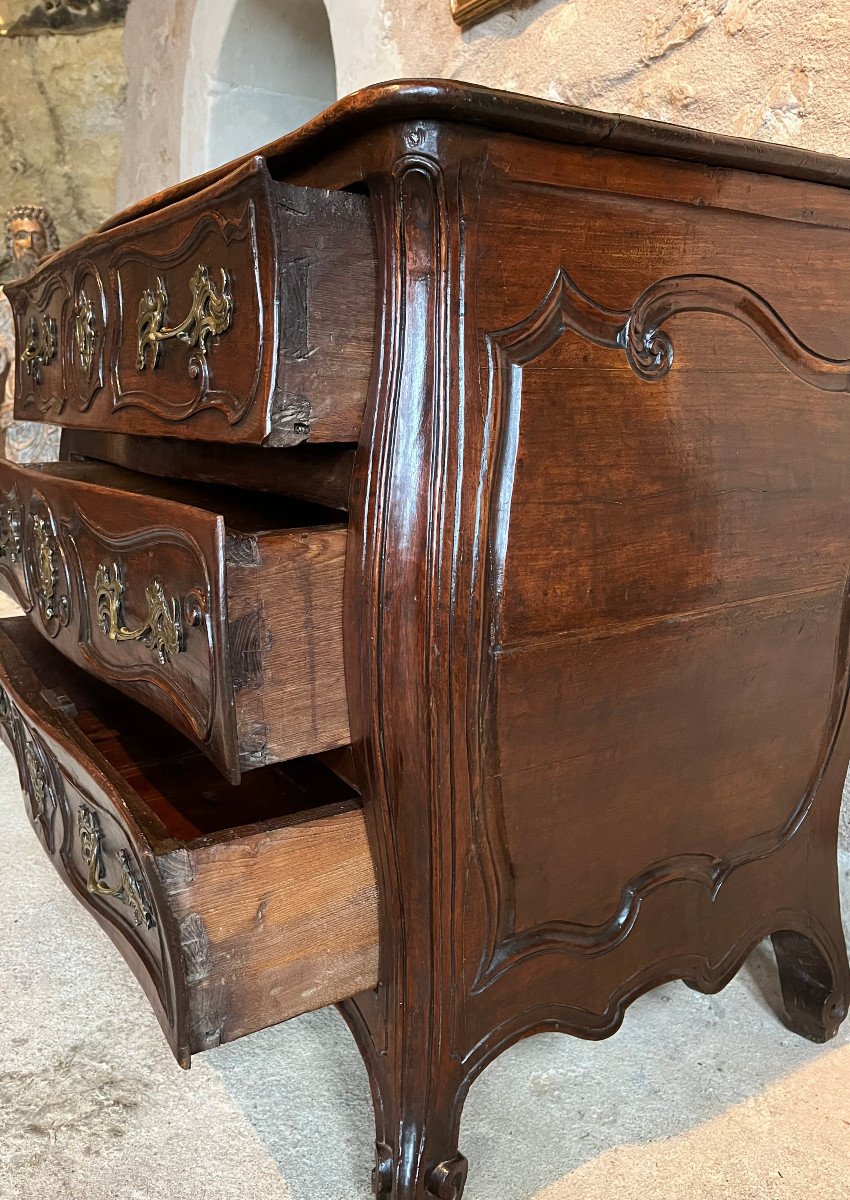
(650, 353)
(649, 350)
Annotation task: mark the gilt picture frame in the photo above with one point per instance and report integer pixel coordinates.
(465, 12)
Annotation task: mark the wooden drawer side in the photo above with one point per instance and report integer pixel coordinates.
(235, 907)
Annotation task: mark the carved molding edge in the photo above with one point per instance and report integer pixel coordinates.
(698, 969)
(638, 331)
(650, 353)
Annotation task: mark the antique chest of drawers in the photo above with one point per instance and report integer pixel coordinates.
(441, 605)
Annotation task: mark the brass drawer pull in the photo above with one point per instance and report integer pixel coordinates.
(85, 331)
(129, 891)
(40, 347)
(211, 315)
(162, 631)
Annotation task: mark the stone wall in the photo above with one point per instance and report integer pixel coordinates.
(156, 49)
(61, 124)
(770, 69)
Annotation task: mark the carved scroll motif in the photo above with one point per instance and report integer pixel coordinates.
(638, 331)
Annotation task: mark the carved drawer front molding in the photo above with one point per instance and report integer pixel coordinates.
(87, 830)
(179, 904)
(12, 546)
(40, 779)
(218, 320)
(41, 326)
(234, 637)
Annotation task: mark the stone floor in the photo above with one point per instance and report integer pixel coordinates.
(697, 1098)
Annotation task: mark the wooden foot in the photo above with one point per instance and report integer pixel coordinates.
(418, 1101)
(814, 990)
(424, 1163)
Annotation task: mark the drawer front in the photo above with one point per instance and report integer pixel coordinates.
(130, 588)
(97, 848)
(235, 907)
(242, 315)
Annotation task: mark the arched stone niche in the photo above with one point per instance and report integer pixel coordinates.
(254, 70)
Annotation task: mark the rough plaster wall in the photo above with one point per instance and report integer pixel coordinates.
(61, 122)
(771, 69)
(156, 49)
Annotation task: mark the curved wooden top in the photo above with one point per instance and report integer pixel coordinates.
(467, 103)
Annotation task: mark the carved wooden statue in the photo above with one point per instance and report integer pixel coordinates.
(30, 236)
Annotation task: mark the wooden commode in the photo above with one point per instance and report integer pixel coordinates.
(441, 605)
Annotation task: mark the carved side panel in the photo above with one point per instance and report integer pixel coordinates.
(626, 682)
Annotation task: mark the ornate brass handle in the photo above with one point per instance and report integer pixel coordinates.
(130, 890)
(40, 347)
(85, 330)
(211, 315)
(162, 631)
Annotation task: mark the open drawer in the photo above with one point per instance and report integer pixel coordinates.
(218, 609)
(236, 907)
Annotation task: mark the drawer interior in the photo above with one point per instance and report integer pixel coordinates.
(244, 511)
(264, 892)
(183, 797)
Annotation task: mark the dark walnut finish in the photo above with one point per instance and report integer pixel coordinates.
(243, 315)
(219, 611)
(153, 842)
(596, 596)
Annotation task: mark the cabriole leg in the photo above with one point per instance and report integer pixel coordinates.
(814, 989)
